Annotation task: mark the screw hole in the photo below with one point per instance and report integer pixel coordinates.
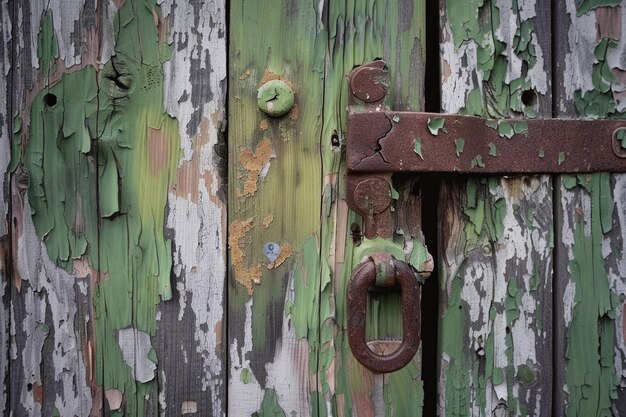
(50, 99)
(529, 97)
(334, 140)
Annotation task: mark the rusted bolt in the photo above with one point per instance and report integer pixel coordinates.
(372, 195)
(275, 98)
(619, 142)
(370, 82)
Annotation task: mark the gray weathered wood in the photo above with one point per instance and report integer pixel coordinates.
(56, 353)
(190, 335)
(590, 280)
(49, 357)
(6, 43)
(495, 251)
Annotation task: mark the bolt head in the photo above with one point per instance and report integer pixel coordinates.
(275, 98)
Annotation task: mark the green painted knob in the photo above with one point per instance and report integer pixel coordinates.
(275, 98)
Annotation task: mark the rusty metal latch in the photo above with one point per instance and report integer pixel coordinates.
(382, 142)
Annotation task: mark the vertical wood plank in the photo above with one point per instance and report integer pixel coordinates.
(119, 172)
(274, 209)
(291, 319)
(590, 282)
(6, 44)
(495, 235)
(359, 32)
(191, 328)
(51, 367)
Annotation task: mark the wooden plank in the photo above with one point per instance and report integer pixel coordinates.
(286, 324)
(274, 205)
(189, 339)
(51, 368)
(495, 235)
(118, 174)
(359, 32)
(590, 283)
(6, 43)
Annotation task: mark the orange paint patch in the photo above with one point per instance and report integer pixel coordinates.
(264, 125)
(267, 220)
(188, 175)
(253, 163)
(236, 240)
(158, 150)
(285, 252)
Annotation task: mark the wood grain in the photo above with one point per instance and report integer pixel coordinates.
(590, 263)
(495, 339)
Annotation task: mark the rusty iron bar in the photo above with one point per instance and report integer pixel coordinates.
(382, 142)
(366, 276)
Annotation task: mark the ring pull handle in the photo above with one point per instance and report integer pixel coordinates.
(373, 273)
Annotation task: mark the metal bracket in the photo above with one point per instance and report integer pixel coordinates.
(382, 142)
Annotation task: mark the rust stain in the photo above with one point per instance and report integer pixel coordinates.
(218, 338)
(268, 76)
(608, 22)
(119, 3)
(446, 71)
(285, 252)
(267, 220)
(264, 125)
(236, 239)
(38, 393)
(253, 163)
(188, 175)
(158, 150)
(514, 187)
(294, 113)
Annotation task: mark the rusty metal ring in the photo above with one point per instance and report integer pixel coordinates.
(364, 277)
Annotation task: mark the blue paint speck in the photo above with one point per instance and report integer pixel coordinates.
(271, 250)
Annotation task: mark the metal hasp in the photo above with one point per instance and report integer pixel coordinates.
(382, 142)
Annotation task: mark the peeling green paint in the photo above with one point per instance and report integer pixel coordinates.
(505, 130)
(435, 124)
(246, 376)
(47, 46)
(477, 162)
(269, 405)
(599, 103)
(561, 158)
(418, 147)
(493, 150)
(459, 144)
(16, 145)
(101, 157)
(590, 374)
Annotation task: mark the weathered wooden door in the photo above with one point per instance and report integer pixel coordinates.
(170, 249)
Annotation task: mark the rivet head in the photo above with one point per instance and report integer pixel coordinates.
(275, 98)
